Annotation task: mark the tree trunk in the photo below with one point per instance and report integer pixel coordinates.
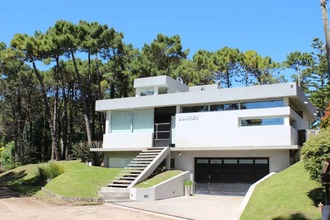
(326, 31)
(85, 104)
(55, 149)
(101, 117)
(228, 78)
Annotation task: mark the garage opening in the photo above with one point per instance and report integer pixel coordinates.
(228, 175)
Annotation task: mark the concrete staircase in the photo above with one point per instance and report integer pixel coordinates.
(138, 170)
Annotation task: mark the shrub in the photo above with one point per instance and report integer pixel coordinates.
(314, 152)
(188, 182)
(82, 151)
(7, 159)
(49, 171)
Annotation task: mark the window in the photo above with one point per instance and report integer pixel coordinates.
(245, 161)
(225, 107)
(143, 120)
(132, 121)
(261, 161)
(216, 161)
(189, 109)
(230, 161)
(262, 104)
(121, 122)
(262, 121)
(300, 113)
(146, 91)
(162, 90)
(202, 161)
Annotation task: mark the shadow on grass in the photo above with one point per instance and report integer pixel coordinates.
(296, 216)
(12, 177)
(317, 195)
(16, 182)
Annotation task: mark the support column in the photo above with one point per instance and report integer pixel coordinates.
(168, 161)
(108, 122)
(178, 109)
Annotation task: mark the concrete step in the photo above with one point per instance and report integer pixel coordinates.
(118, 185)
(122, 181)
(155, 148)
(128, 174)
(146, 156)
(143, 159)
(110, 189)
(141, 162)
(151, 151)
(134, 168)
(126, 178)
(148, 153)
(137, 165)
(114, 195)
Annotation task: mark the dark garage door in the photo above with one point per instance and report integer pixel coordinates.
(228, 175)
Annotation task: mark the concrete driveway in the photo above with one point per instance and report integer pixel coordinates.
(197, 207)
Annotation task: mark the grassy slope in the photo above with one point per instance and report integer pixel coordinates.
(158, 179)
(21, 179)
(78, 180)
(284, 196)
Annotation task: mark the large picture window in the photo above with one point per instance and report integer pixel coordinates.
(143, 120)
(189, 109)
(121, 122)
(262, 104)
(225, 107)
(262, 121)
(234, 106)
(132, 121)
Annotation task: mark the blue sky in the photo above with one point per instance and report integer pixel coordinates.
(272, 28)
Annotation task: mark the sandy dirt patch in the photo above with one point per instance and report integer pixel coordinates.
(13, 205)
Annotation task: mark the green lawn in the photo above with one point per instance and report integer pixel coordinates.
(288, 195)
(158, 179)
(78, 180)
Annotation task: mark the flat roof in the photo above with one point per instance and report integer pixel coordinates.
(160, 81)
(223, 148)
(223, 95)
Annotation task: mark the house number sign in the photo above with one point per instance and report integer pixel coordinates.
(189, 118)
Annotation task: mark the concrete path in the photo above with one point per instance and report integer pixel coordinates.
(197, 207)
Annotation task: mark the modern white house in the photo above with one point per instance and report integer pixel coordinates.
(220, 135)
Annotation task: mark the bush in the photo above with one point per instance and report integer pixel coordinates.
(314, 152)
(188, 182)
(49, 171)
(7, 159)
(82, 151)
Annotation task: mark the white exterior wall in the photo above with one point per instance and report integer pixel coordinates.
(128, 140)
(118, 159)
(223, 129)
(168, 189)
(278, 159)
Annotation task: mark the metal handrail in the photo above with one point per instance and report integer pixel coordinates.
(157, 131)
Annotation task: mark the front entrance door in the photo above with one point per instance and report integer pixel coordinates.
(162, 129)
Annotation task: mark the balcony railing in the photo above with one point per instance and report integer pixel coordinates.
(162, 131)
